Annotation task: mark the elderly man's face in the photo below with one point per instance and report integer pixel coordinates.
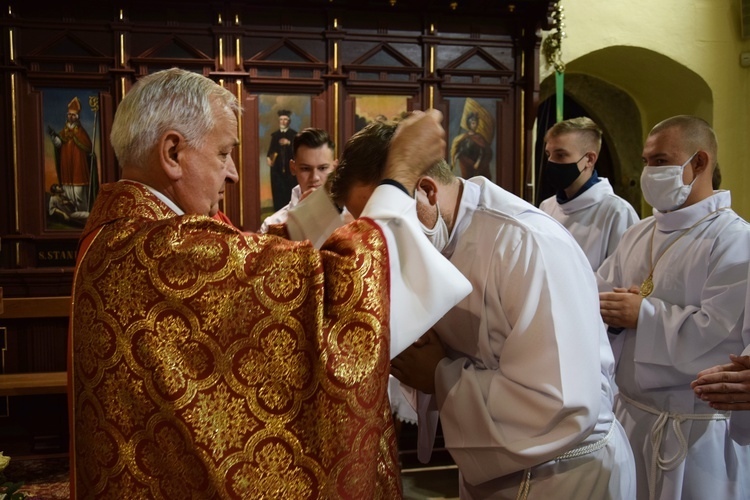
(283, 121)
(206, 170)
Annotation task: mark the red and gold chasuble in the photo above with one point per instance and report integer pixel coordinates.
(210, 364)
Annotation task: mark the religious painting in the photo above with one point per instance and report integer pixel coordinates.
(280, 117)
(472, 144)
(372, 108)
(72, 152)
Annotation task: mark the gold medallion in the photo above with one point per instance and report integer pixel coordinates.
(647, 286)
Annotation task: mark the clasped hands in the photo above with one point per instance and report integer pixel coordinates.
(725, 387)
(416, 366)
(620, 307)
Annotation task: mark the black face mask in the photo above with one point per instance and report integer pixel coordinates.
(562, 175)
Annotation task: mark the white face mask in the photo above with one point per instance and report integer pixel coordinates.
(663, 188)
(439, 234)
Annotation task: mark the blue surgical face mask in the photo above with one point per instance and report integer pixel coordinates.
(662, 186)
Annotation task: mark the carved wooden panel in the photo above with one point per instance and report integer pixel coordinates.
(333, 53)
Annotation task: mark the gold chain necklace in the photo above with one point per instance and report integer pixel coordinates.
(648, 284)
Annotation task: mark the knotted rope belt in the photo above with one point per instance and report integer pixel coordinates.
(523, 491)
(659, 463)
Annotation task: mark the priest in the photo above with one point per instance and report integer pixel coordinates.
(206, 363)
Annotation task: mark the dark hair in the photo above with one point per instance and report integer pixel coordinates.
(312, 138)
(363, 160)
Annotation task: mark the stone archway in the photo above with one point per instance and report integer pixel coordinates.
(627, 90)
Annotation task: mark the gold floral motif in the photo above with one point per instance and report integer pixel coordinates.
(162, 241)
(372, 302)
(172, 355)
(126, 301)
(98, 339)
(170, 461)
(123, 399)
(357, 479)
(317, 436)
(221, 421)
(100, 448)
(130, 488)
(222, 314)
(275, 476)
(357, 355)
(283, 281)
(177, 270)
(263, 362)
(277, 369)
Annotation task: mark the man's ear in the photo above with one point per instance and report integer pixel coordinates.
(293, 167)
(700, 162)
(429, 188)
(591, 157)
(171, 146)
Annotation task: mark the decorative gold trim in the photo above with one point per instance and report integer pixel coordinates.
(122, 49)
(432, 60)
(122, 86)
(221, 53)
(240, 156)
(14, 132)
(237, 53)
(335, 56)
(336, 117)
(432, 96)
(12, 51)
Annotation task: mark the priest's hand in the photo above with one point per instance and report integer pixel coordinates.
(725, 387)
(417, 144)
(415, 366)
(620, 307)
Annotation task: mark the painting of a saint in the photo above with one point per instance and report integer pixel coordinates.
(71, 166)
(471, 151)
(279, 119)
(280, 151)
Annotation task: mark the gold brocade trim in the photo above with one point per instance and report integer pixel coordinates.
(210, 364)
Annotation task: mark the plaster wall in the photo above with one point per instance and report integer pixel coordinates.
(672, 57)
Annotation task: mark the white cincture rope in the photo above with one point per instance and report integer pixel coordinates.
(589, 448)
(523, 491)
(657, 436)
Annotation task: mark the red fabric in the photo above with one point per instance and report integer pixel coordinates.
(74, 159)
(211, 364)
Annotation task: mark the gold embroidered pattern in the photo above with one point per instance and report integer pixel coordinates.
(225, 421)
(126, 301)
(210, 364)
(124, 400)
